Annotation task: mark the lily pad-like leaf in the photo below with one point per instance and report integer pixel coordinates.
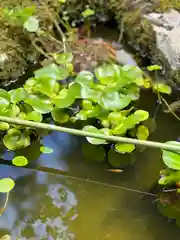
(20, 161)
(141, 115)
(4, 99)
(46, 150)
(114, 101)
(172, 159)
(18, 95)
(74, 90)
(162, 88)
(34, 116)
(32, 24)
(64, 99)
(124, 147)
(29, 85)
(142, 132)
(94, 141)
(6, 185)
(59, 115)
(45, 85)
(108, 74)
(53, 71)
(90, 94)
(15, 139)
(63, 58)
(39, 103)
(85, 78)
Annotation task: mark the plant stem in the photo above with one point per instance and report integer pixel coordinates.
(5, 204)
(90, 134)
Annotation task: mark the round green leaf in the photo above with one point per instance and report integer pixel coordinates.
(15, 139)
(90, 94)
(4, 99)
(53, 71)
(29, 85)
(59, 115)
(46, 150)
(85, 78)
(34, 116)
(124, 147)
(154, 68)
(6, 185)
(45, 85)
(162, 88)
(141, 115)
(94, 141)
(172, 159)
(64, 99)
(39, 103)
(32, 24)
(63, 58)
(142, 132)
(18, 95)
(108, 74)
(74, 90)
(4, 126)
(114, 101)
(20, 161)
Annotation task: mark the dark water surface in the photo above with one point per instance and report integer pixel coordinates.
(79, 204)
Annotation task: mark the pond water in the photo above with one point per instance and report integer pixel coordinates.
(81, 199)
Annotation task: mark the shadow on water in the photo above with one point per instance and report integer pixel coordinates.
(54, 206)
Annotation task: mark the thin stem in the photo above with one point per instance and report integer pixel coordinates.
(5, 204)
(90, 134)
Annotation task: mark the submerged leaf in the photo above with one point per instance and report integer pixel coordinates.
(59, 115)
(20, 161)
(94, 141)
(53, 71)
(46, 150)
(6, 185)
(124, 147)
(172, 159)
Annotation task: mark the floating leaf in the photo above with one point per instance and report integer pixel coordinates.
(63, 58)
(114, 101)
(46, 150)
(116, 118)
(4, 99)
(64, 99)
(141, 115)
(53, 71)
(15, 139)
(154, 68)
(172, 159)
(124, 147)
(108, 74)
(88, 12)
(32, 24)
(59, 115)
(20, 161)
(94, 141)
(162, 88)
(85, 78)
(34, 116)
(39, 103)
(6, 185)
(74, 90)
(45, 85)
(90, 94)
(142, 132)
(18, 95)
